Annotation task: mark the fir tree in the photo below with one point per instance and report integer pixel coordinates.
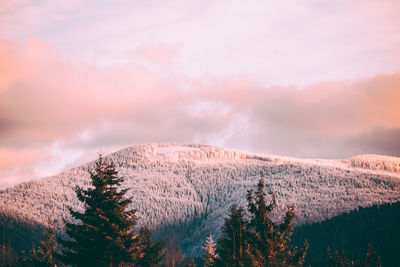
(46, 255)
(233, 243)
(270, 241)
(174, 257)
(371, 258)
(104, 233)
(210, 252)
(151, 254)
(340, 259)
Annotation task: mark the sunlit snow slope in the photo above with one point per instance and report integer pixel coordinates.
(189, 188)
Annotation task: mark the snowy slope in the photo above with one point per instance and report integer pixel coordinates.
(189, 188)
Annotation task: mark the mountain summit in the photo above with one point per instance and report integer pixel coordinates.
(186, 190)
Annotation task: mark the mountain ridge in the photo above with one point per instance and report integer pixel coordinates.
(189, 187)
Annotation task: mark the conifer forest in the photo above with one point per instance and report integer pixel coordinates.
(104, 225)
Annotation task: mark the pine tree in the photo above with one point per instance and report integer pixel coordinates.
(233, 243)
(174, 257)
(151, 254)
(5, 251)
(340, 259)
(210, 252)
(46, 255)
(270, 241)
(371, 258)
(104, 233)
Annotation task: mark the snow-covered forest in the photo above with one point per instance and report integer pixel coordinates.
(189, 188)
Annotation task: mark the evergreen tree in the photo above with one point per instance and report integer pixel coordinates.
(233, 243)
(5, 249)
(46, 255)
(340, 259)
(371, 258)
(103, 233)
(270, 241)
(174, 257)
(151, 254)
(210, 252)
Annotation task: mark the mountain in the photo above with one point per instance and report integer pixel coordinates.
(184, 191)
(353, 232)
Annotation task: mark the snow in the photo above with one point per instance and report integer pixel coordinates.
(167, 150)
(192, 185)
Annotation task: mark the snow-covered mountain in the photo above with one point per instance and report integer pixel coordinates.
(189, 188)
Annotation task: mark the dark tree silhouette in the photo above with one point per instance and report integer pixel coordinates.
(104, 233)
(234, 241)
(269, 241)
(152, 254)
(45, 255)
(258, 241)
(340, 259)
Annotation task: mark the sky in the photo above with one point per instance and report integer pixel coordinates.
(310, 79)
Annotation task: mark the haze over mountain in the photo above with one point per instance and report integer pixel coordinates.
(187, 189)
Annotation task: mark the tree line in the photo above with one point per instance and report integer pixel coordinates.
(256, 240)
(104, 233)
(352, 233)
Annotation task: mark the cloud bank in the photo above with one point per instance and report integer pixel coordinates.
(276, 42)
(54, 110)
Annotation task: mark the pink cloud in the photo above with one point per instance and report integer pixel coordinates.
(11, 158)
(278, 42)
(157, 53)
(45, 100)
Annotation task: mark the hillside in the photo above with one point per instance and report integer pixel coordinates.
(187, 189)
(352, 232)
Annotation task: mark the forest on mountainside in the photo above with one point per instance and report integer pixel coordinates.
(188, 189)
(352, 232)
(349, 232)
(184, 193)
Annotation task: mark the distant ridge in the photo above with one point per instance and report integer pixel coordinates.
(188, 188)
